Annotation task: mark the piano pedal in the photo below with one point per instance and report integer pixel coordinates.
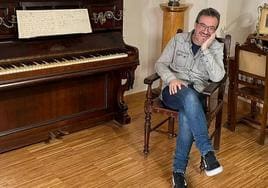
(52, 136)
(47, 141)
(59, 134)
(63, 132)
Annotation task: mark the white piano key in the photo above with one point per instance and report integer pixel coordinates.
(58, 63)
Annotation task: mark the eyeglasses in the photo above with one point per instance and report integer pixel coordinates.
(210, 29)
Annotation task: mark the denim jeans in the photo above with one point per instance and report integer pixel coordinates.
(192, 124)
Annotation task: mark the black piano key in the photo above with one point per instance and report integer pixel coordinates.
(82, 57)
(50, 61)
(75, 58)
(40, 62)
(106, 53)
(28, 63)
(6, 66)
(3, 66)
(69, 58)
(63, 59)
(13, 66)
(10, 66)
(94, 54)
(18, 65)
(46, 61)
(34, 63)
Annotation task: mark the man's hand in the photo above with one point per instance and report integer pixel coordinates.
(208, 42)
(174, 85)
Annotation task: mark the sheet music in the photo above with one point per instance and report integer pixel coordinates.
(36, 23)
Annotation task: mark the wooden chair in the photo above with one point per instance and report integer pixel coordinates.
(249, 80)
(214, 104)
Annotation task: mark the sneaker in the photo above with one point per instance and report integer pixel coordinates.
(210, 164)
(178, 180)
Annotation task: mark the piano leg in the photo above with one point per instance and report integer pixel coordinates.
(122, 116)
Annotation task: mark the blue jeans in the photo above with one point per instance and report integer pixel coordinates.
(192, 124)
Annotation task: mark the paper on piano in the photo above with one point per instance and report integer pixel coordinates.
(37, 23)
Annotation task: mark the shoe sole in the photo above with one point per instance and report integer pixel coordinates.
(173, 182)
(214, 171)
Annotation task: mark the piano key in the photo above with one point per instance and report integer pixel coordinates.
(2, 66)
(39, 62)
(75, 58)
(6, 66)
(57, 62)
(18, 65)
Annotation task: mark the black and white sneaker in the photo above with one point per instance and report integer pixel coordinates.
(210, 164)
(178, 180)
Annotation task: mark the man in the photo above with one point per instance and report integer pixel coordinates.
(186, 65)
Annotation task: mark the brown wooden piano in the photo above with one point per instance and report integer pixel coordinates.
(51, 86)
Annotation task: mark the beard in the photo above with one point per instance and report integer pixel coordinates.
(201, 37)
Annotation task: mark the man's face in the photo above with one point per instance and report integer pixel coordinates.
(205, 27)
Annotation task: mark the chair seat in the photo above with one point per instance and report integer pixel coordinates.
(256, 94)
(159, 107)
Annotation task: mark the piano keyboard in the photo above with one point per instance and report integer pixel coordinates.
(57, 62)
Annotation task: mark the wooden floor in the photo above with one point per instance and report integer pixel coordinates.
(111, 156)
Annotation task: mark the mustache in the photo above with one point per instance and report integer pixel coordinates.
(204, 34)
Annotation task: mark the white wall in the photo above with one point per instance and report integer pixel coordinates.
(241, 19)
(143, 27)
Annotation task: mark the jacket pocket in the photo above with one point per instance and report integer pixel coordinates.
(180, 59)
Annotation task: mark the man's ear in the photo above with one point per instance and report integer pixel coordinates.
(195, 25)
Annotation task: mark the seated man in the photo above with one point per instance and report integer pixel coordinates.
(186, 65)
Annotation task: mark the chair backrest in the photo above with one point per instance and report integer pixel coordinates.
(211, 104)
(227, 46)
(251, 61)
(251, 67)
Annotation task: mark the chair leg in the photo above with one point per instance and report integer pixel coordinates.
(230, 103)
(233, 112)
(217, 136)
(253, 109)
(147, 131)
(171, 131)
(263, 125)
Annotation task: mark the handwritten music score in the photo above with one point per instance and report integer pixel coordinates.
(38, 23)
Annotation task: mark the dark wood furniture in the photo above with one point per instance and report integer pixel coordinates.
(38, 104)
(249, 79)
(214, 104)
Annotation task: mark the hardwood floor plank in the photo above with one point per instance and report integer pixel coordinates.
(112, 156)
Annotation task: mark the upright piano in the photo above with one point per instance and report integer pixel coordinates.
(55, 85)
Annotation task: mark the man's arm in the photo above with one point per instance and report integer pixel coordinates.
(213, 60)
(163, 70)
(162, 64)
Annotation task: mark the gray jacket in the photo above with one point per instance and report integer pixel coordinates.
(178, 62)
